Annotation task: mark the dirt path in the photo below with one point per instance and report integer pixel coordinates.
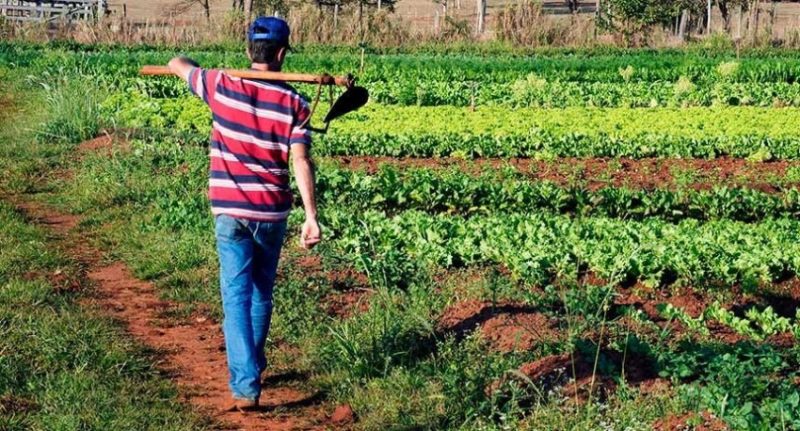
(192, 353)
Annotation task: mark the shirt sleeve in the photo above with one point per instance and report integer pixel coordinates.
(203, 83)
(301, 134)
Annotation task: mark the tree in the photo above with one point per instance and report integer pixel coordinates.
(185, 5)
(632, 18)
(269, 7)
(725, 7)
(358, 5)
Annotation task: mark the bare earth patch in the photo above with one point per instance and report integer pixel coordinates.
(348, 303)
(505, 326)
(575, 377)
(689, 300)
(350, 292)
(105, 144)
(704, 421)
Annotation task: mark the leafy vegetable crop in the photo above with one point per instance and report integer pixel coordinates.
(537, 247)
(456, 192)
(756, 133)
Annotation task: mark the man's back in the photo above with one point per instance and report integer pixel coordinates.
(254, 125)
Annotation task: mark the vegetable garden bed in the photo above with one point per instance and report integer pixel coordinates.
(601, 227)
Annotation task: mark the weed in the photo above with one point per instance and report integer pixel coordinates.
(76, 102)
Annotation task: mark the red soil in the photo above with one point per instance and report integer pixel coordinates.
(549, 371)
(345, 304)
(783, 297)
(105, 144)
(102, 142)
(694, 303)
(688, 300)
(784, 340)
(597, 173)
(787, 288)
(724, 333)
(514, 332)
(11, 405)
(191, 352)
(463, 317)
(505, 326)
(343, 278)
(350, 292)
(342, 415)
(705, 421)
(575, 377)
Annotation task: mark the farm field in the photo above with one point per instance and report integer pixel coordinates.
(571, 239)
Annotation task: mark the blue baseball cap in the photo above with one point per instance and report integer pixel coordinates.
(269, 28)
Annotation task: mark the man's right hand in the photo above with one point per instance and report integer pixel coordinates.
(181, 66)
(310, 234)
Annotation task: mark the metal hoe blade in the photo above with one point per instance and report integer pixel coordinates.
(352, 99)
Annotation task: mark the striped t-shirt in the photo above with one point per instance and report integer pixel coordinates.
(255, 123)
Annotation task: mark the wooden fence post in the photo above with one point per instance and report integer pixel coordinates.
(481, 4)
(739, 28)
(597, 16)
(336, 15)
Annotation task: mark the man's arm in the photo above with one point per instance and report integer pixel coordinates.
(304, 173)
(182, 66)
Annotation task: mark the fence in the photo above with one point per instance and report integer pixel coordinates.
(51, 10)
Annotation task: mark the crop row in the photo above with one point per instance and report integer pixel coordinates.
(499, 191)
(137, 108)
(534, 91)
(546, 145)
(759, 134)
(456, 192)
(620, 122)
(457, 81)
(587, 66)
(538, 247)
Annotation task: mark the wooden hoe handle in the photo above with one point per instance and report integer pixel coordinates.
(325, 79)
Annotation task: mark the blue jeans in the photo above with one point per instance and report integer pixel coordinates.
(248, 259)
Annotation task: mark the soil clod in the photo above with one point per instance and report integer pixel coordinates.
(343, 415)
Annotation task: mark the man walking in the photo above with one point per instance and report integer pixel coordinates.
(255, 125)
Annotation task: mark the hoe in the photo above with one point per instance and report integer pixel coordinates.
(353, 98)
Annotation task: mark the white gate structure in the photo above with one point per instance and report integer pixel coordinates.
(51, 10)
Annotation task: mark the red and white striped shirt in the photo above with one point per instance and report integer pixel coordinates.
(255, 124)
